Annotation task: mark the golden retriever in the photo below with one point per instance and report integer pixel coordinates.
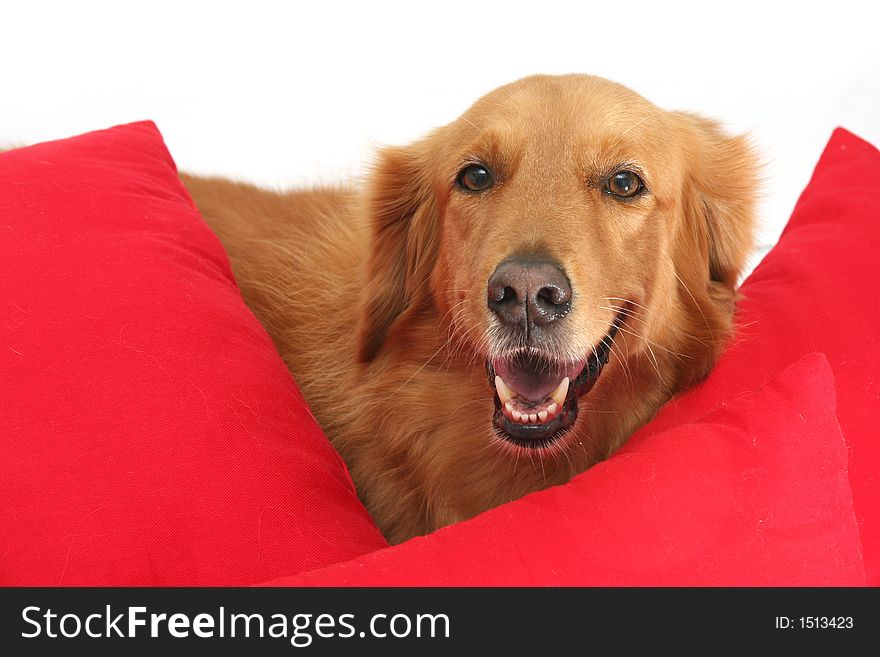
(506, 300)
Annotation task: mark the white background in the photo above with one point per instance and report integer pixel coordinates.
(294, 93)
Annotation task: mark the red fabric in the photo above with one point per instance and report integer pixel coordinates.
(646, 515)
(755, 493)
(149, 432)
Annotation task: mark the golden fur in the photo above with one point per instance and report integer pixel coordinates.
(376, 297)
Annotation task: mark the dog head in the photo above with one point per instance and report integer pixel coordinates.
(562, 229)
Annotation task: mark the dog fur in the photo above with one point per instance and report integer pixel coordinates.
(376, 297)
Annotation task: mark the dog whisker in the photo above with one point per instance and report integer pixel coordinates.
(650, 343)
(636, 316)
(418, 371)
(696, 303)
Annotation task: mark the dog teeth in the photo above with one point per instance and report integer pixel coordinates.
(546, 414)
(504, 393)
(561, 392)
(542, 416)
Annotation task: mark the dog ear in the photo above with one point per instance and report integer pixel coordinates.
(716, 235)
(720, 191)
(402, 209)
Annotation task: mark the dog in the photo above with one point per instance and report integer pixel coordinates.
(506, 300)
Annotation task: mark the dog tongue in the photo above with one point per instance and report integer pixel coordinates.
(535, 378)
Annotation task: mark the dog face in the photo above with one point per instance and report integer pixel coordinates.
(567, 235)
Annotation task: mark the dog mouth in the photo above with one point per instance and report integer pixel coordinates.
(536, 398)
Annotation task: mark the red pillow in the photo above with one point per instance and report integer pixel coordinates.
(755, 493)
(149, 432)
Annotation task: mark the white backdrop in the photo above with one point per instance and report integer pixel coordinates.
(293, 93)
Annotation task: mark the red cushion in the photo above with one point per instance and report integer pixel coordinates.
(755, 493)
(648, 514)
(149, 432)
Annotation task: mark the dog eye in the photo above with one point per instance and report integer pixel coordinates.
(475, 178)
(624, 184)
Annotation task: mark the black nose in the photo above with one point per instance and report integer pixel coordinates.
(523, 291)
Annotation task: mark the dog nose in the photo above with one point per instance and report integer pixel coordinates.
(523, 291)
